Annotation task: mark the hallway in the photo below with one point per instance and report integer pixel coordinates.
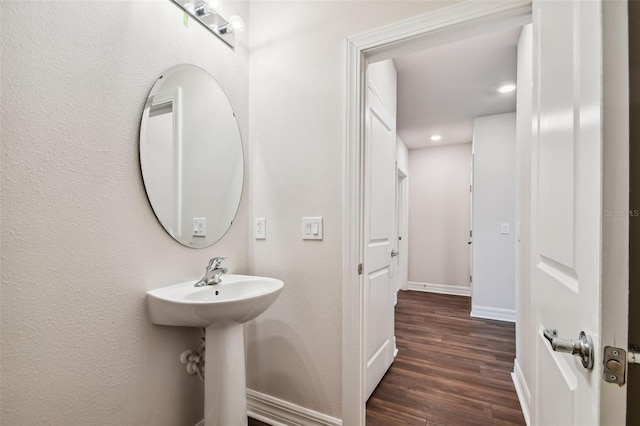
(450, 369)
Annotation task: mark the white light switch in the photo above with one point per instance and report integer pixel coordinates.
(261, 229)
(311, 228)
(199, 226)
(504, 229)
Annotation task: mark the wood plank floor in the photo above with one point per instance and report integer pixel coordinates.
(451, 369)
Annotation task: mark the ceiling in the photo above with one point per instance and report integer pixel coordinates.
(442, 89)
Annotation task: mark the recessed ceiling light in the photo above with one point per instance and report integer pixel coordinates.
(436, 138)
(507, 88)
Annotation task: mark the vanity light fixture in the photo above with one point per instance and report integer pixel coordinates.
(235, 24)
(436, 138)
(507, 88)
(207, 13)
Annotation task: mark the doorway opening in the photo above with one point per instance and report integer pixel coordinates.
(424, 35)
(447, 102)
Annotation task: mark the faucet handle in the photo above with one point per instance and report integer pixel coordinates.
(215, 262)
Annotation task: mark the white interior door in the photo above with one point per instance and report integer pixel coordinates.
(567, 216)
(402, 230)
(379, 237)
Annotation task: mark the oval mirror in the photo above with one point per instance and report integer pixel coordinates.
(191, 156)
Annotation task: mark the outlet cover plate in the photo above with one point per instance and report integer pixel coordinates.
(260, 229)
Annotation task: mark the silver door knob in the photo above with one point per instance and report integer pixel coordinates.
(583, 347)
(394, 253)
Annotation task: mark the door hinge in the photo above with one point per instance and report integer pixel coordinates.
(360, 269)
(470, 278)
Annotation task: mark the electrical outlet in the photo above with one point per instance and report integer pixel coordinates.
(260, 230)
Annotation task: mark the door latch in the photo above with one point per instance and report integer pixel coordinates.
(615, 363)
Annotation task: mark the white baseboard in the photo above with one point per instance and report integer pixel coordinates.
(499, 314)
(454, 290)
(524, 396)
(277, 412)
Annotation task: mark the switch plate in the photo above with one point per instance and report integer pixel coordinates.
(260, 230)
(199, 226)
(312, 228)
(504, 229)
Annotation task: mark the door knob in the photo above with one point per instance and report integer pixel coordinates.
(583, 347)
(394, 253)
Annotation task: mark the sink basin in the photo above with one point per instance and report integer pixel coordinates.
(238, 298)
(221, 309)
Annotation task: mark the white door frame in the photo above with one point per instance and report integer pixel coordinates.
(459, 21)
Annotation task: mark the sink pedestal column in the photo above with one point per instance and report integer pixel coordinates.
(225, 386)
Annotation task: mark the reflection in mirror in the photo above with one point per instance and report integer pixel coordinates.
(191, 156)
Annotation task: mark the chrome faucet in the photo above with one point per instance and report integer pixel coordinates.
(212, 272)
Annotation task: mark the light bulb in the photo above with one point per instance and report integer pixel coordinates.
(215, 6)
(436, 138)
(236, 23)
(507, 88)
(190, 7)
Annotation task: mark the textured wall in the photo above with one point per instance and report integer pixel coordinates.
(297, 99)
(80, 243)
(439, 215)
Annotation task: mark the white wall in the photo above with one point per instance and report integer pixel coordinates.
(297, 100)
(494, 190)
(439, 216)
(80, 243)
(525, 332)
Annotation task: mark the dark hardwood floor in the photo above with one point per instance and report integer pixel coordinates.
(254, 422)
(451, 369)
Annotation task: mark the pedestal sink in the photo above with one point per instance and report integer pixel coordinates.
(220, 309)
